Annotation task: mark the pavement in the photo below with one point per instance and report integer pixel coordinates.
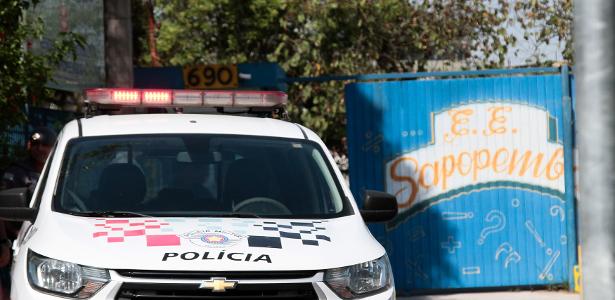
(541, 295)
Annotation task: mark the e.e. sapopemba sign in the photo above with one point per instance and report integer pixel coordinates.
(479, 146)
(479, 172)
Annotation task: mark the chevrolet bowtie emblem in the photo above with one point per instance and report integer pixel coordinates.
(218, 284)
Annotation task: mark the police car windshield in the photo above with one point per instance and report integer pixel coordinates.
(198, 175)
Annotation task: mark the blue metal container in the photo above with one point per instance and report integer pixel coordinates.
(482, 171)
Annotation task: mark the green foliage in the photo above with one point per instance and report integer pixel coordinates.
(314, 37)
(545, 22)
(24, 74)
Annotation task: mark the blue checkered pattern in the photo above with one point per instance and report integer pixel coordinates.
(275, 234)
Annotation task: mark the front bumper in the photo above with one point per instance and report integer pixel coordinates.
(23, 291)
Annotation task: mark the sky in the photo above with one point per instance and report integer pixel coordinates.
(525, 49)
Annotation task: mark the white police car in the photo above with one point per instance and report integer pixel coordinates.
(194, 206)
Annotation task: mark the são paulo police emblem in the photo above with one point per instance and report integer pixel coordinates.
(212, 238)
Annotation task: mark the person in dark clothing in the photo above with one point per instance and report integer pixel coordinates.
(25, 173)
(22, 174)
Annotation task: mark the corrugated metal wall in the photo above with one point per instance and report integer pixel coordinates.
(478, 169)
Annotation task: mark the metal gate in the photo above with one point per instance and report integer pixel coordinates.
(482, 171)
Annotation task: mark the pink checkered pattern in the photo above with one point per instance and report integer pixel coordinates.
(118, 230)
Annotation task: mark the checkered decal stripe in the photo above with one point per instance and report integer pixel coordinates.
(266, 234)
(275, 234)
(118, 230)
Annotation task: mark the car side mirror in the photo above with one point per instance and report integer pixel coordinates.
(378, 206)
(17, 197)
(14, 205)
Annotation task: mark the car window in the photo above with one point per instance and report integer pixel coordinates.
(198, 175)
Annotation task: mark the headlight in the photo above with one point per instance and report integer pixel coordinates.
(360, 280)
(64, 278)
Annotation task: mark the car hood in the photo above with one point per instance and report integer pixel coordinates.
(217, 244)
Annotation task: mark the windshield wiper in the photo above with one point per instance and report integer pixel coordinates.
(114, 214)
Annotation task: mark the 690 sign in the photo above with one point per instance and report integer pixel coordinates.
(210, 77)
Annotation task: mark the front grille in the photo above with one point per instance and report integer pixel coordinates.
(146, 291)
(238, 275)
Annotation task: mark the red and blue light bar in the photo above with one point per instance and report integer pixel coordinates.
(178, 98)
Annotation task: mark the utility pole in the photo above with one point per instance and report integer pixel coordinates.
(118, 43)
(595, 81)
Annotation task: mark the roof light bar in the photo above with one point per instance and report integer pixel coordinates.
(178, 98)
(160, 97)
(260, 99)
(125, 97)
(218, 98)
(187, 98)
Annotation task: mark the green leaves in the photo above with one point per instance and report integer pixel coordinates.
(545, 22)
(338, 37)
